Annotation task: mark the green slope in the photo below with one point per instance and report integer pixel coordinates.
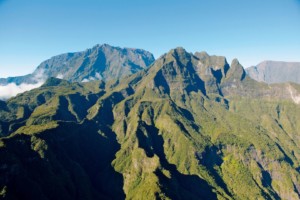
(188, 127)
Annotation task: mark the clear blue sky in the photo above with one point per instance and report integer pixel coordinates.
(252, 31)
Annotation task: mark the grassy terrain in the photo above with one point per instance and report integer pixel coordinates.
(189, 127)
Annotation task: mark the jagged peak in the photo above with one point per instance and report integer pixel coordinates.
(211, 59)
(236, 71)
(202, 55)
(178, 51)
(177, 54)
(104, 45)
(236, 65)
(235, 62)
(174, 73)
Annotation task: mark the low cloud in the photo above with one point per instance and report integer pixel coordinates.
(91, 78)
(60, 76)
(39, 76)
(98, 76)
(11, 90)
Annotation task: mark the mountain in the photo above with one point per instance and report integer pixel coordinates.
(102, 62)
(191, 126)
(275, 72)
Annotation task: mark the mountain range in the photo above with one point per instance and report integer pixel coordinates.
(105, 62)
(187, 126)
(102, 62)
(275, 72)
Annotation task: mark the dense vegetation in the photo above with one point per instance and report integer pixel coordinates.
(191, 126)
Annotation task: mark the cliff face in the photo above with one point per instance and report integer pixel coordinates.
(191, 126)
(102, 62)
(275, 72)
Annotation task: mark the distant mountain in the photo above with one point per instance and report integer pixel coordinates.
(191, 126)
(102, 62)
(275, 72)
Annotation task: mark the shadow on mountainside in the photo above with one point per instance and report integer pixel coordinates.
(178, 186)
(210, 158)
(70, 162)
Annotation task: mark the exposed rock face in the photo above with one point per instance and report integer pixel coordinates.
(102, 62)
(191, 126)
(275, 72)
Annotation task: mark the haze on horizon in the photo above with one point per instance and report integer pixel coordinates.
(252, 31)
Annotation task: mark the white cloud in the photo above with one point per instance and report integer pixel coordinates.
(85, 80)
(98, 76)
(60, 76)
(39, 76)
(11, 90)
(91, 78)
(88, 79)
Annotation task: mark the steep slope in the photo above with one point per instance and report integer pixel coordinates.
(102, 62)
(188, 127)
(275, 72)
(55, 100)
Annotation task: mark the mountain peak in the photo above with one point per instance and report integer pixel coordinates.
(188, 125)
(202, 55)
(179, 55)
(176, 52)
(235, 62)
(178, 49)
(236, 71)
(101, 62)
(275, 72)
(104, 45)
